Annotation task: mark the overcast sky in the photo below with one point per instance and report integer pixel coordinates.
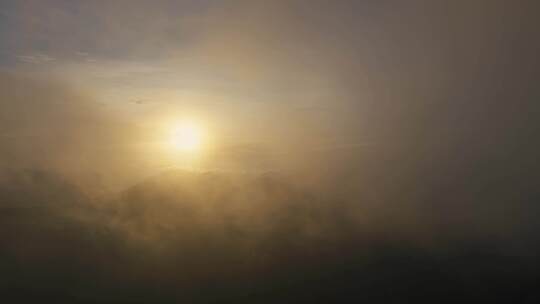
(274, 78)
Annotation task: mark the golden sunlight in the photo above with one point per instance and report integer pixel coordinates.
(187, 136)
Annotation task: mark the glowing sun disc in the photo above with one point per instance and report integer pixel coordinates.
(187, 137)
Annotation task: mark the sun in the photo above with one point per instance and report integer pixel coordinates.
(187, 136)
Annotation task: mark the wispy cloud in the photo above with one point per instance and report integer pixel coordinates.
(37, 58)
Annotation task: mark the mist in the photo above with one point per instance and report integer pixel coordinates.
(357, 151)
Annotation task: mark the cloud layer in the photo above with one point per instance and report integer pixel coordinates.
(370, 150)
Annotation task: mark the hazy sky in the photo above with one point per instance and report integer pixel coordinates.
(274, 83)
(353, 151)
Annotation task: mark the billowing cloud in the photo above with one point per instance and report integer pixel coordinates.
(379, 151)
